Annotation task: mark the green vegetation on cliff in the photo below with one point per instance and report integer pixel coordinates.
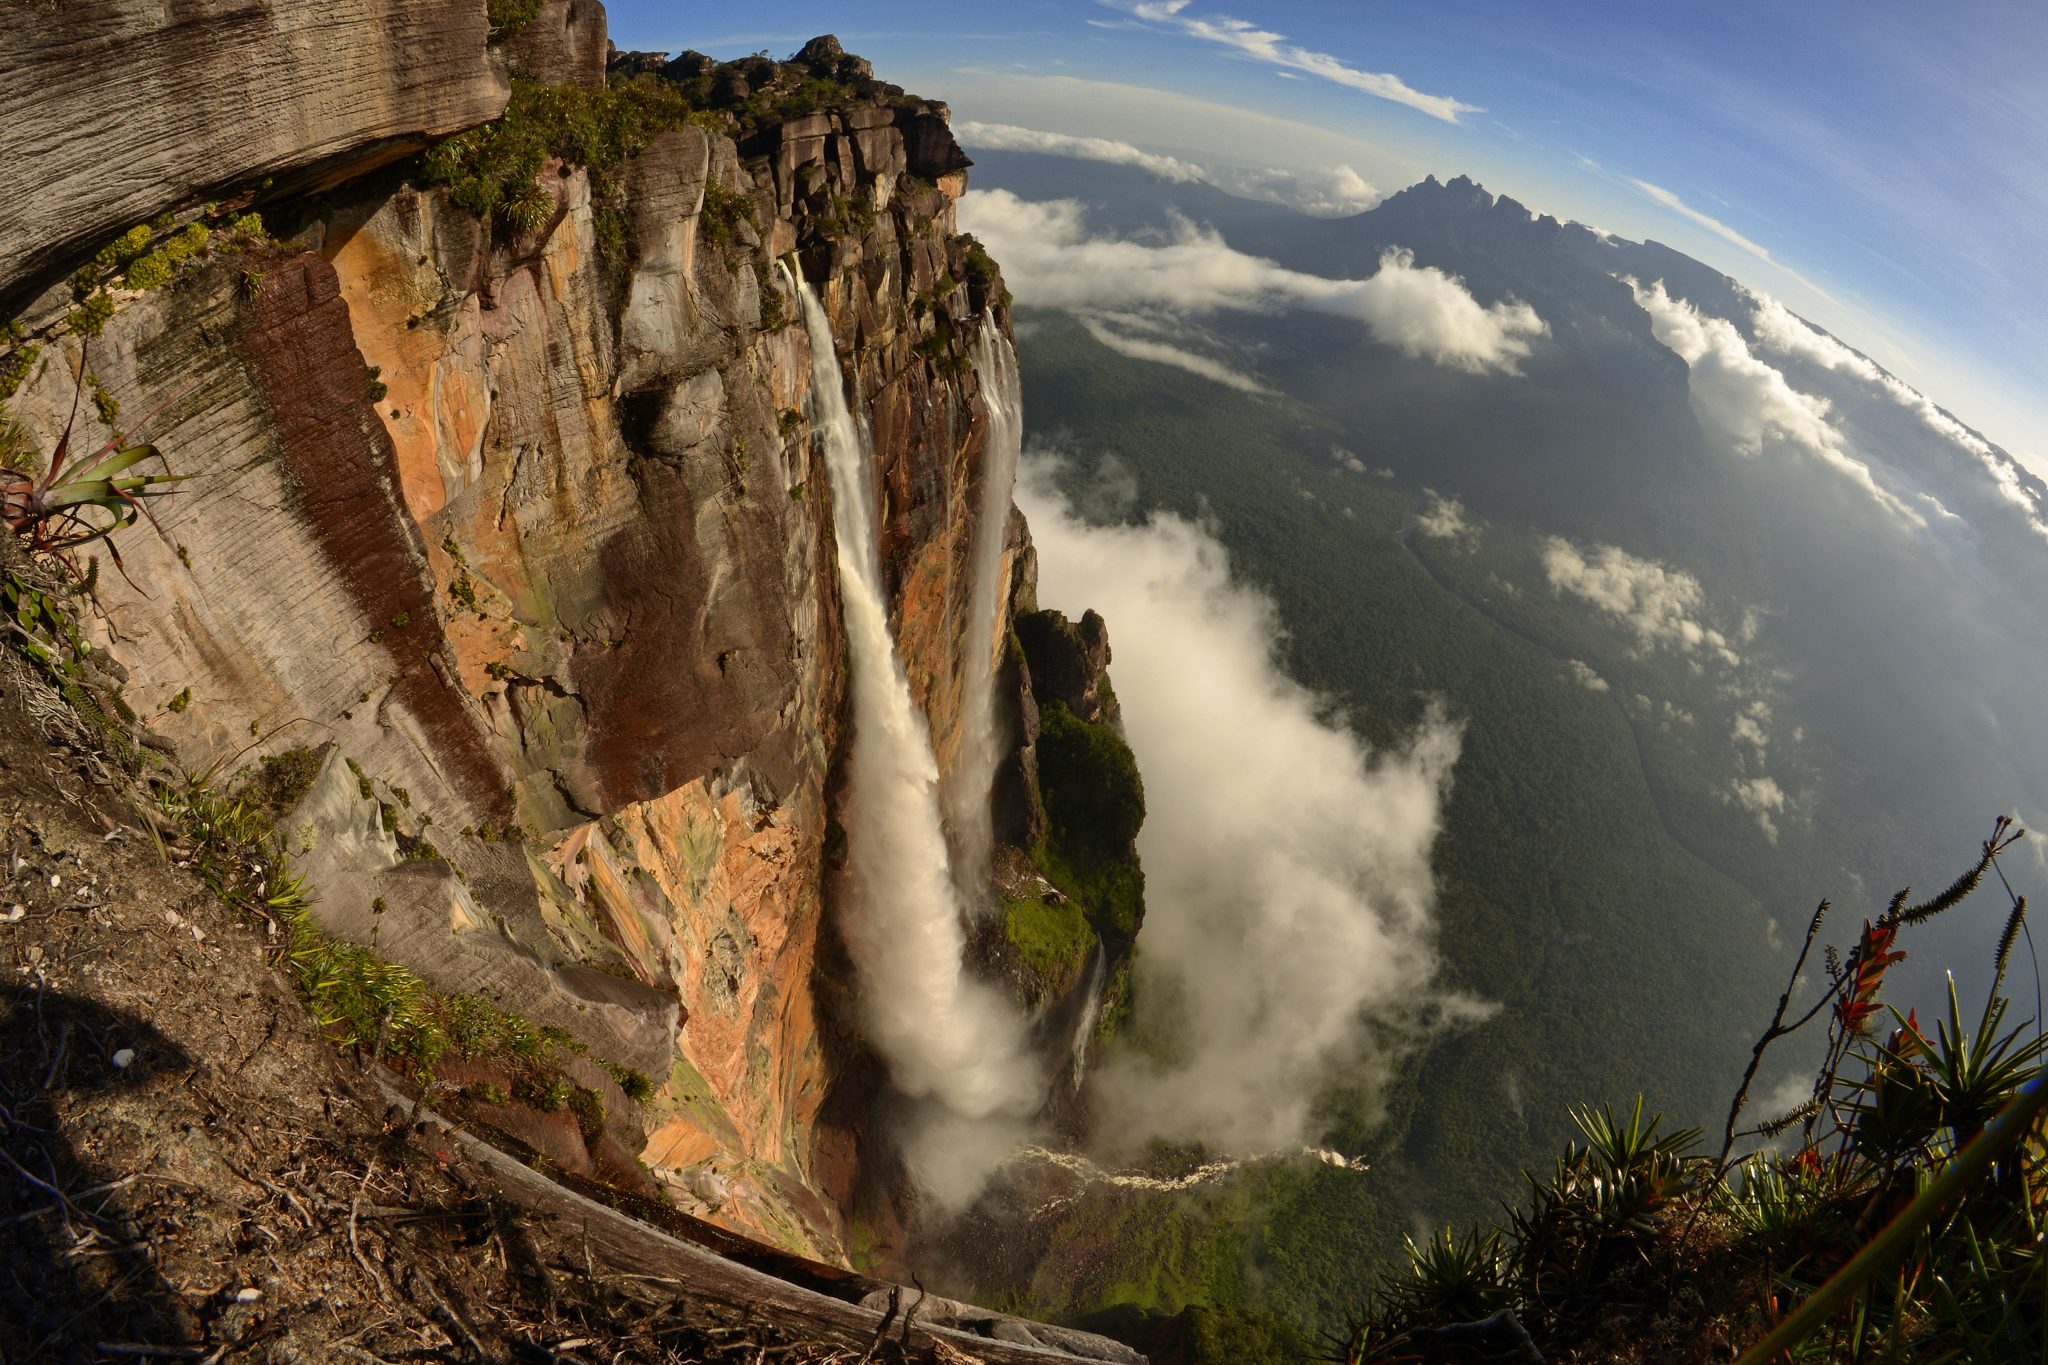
(1052, 936)
(1094, 804)
(496, 169)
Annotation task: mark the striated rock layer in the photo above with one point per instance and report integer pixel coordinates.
(524, 530)
(119, 109)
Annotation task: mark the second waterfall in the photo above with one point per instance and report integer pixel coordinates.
(945, 1036)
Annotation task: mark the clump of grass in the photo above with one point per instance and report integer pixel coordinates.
(588, 1107)
(638, 1086)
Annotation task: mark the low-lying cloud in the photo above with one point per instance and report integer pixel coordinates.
(1585, 676)
(1325, 193)
(1762, 798)
(1335, 192)
(1750, 401)
(1290, 900)
(1443, 518)
(1165, 353)
(1662, 606)
(1051, 259)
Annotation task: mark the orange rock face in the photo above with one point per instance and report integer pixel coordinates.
(539, 543)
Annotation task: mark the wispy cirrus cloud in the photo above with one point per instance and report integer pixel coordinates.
(1249, 40)
(1659, 195)
(1008, 137)
(1323, 193)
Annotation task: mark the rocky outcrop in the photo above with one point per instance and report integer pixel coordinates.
(1069, 662)
(566, 43)
(121, 109)
(524, 529)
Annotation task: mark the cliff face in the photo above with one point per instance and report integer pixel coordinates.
(119, 109)
(515, 520)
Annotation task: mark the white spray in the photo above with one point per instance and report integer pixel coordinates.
(982, 737)
(1086, 1173)
(943, 1034)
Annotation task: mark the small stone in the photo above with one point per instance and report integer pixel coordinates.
(15, 914)
(123, 1058)
(248, 1295)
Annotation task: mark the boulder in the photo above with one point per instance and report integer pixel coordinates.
(633, 63)
(928, 142)
(689, 66)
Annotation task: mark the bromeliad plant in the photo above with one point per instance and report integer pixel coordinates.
(76, 502)
(1908, 1219)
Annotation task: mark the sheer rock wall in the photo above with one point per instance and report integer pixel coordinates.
(534, 544)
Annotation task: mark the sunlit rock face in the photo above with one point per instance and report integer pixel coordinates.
(527, 529)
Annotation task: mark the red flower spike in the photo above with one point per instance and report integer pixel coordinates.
(1906, 1042)
(1874, 953)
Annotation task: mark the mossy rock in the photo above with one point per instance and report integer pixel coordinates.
(1052, 938)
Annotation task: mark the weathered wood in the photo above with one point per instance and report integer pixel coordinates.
(622, 1243)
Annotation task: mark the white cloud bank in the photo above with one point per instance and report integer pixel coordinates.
(1663, 606)
(1249, 40)
(1289, 894)
(1334, 192)
(1049, 258)
(1781, 330)
(1750, 401)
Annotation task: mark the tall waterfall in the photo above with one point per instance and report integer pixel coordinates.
(972, 780)
(944, 1035)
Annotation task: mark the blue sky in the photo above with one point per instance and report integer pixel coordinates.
(1882, 167)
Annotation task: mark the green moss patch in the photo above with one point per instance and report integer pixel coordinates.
(1052, 937)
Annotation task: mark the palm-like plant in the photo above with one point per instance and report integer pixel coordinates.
(1895, 1108)
(1974, 1075)
(1451, 1278)
(1635, 1171)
